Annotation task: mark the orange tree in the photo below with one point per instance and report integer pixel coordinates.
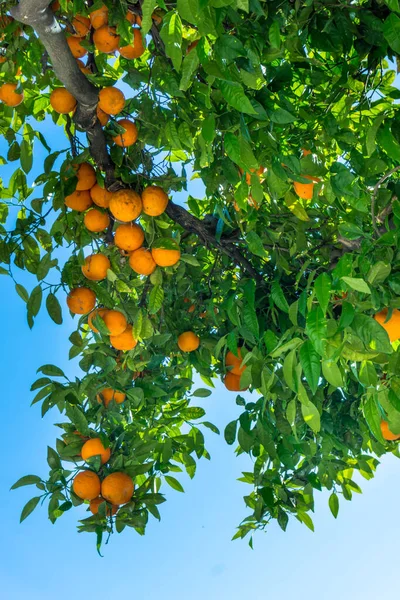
(284, 279)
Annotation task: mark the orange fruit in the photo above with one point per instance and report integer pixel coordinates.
(79, 201)
(86, 176)
(155, 200)
(83, 67)
(111, 100)
(75, 46)
(129, 237)
(188, 341)
(141, 261)
(124, 341)
(96, 221)
(115, 321)
(387, 434)
(81, 25)
(81, 300)
(232, 383)
(165, 258)
(304, 190)
(94, 447)
(62, 101)
(134, 50)
(99, 17)
(95, 267)
(133, 19)
(99, 312)
(125, 205)
(117, 488)
(9, 96)
(306, 152)
(100, 196)
(129, 137)
(235, 361)
(95, 504)
(191, 308)
(392, 326)
(105, 39)
(259, 172)
(102, 116)
(109, 394)
(86, 485)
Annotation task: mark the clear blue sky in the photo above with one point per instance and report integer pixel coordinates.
(189, 555)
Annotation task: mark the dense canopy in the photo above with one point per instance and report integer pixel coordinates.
(284, 278)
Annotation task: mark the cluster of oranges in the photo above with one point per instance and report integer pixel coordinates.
(234, 363)
(115, 489)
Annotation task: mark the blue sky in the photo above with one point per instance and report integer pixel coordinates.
(189, 554)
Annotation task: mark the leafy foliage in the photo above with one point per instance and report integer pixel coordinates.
(272, 96)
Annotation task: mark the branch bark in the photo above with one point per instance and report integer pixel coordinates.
(38, 15)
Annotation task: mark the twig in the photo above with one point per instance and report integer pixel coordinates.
(375, 194)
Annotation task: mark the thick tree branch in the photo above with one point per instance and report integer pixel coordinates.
(206, 232)
(38, 15)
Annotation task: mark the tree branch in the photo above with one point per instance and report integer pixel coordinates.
(38, 15)
(206, 232)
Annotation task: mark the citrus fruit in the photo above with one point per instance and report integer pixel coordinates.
(81, 300)
(117, 488)
(95, 267)
(142, 262)
(86, 485)
(129, 237)
(155, 200)
(188, 341)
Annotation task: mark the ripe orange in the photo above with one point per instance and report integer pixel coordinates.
(86, 485)
(99, 312)
(306, 152)
(86, 176)
(105, 39)
(392, 326)
(100, 196)
(9, 96)
(111, 100)
(115, 321)
(129, 237)
(142, 262)
(117, 488)
(235, 361)
(62, 101)
(109, 394)
(96, 221)
(134, 50)
(102, 117)
(94, 447)
(75, 46)
(81, 25)
(124, 341)
(95, 267)
(99, 17)
(126, 205)
(81, 300)
(129, 137)
(95, 504)
(232, 383)
(304, 190)
(79, 201)
(191, 308)
(165, 258)
(154, 200)
(83, 67)
(387, 434)
(188, 341)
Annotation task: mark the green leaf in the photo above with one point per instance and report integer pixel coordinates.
(378, 273)
(371, 333)
(202, 393)
(306, 519)
(288, 370)
(371, 134)
(322, 287)
(274, 35)
(22, 292)
(156, 299)
(78, 418)
(34, 303)
(373, 417)
(278, 296)
(148, 7)
(316, 329)
(171, 35)
(26, 480)
(391, 31)
(311, 365)
(283, 519)
(51, 370)
(309, 411)
(255, 244)
(230, 432)
(295, 206)
(282, 116)
(54, 308)
(332, 373)
(53, 459)
(334, 504)
(357, 284)
(235, 96)
(26, 155)
(29, 508)
(174, 483)
(189, 66)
